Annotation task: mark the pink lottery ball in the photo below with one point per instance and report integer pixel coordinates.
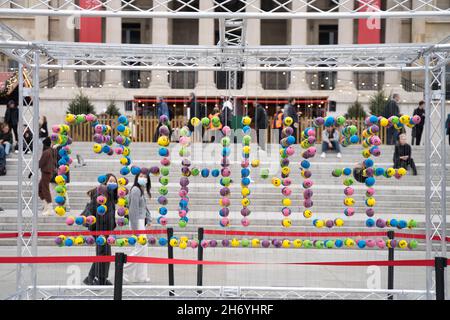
(182, 213)
(70, 221)
(287, 182)
(119, 150)
(165, 161)
(225, 201)
(111, 240)
(98, 128)
(286, 211)
(163, 221)
(311, 140)
(416, 119)
(245, 222)
(370, 191)
(56, 128)
(122, 193)
(286, 191)
(290, 151)
(204, 243)
(90, 117)
(311, 133)
(226, 130)
(312, 151)
(370, 243)
(349, 191)
(90, 220)
(307, 203)
(61, 172)
(245, 163)
(380, 243)
(308, 183)
(226, 172)
(224, 222)
(184, 140)
(182, 193)
(70, 161)
(193, 244)
(349, 211)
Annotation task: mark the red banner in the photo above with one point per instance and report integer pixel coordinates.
(91, 28)
(369, 30)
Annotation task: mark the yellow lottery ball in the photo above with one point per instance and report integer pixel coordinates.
(307, 214)
(320, 223)
(401, 171)
(288, 121)
(390, 172)
(163, 141)
(142, 240)
(184, 239)
(304, 144)
(276, 182)
(183, 245)
(255, 243)
(235, 242)
(246, 150)
(126, 132)
(60, 180)
(70, 118)
(173, 242)
(286, 202)
(126, 151)
(195, 121)
(65, 128)
(255, 163)
(286, 243)
(403, 244)
(370, 202)
(339, 222)
(60, 211)
(349, 202)
(286, 222)
(349, 242)
(297, 243)
(285, 170)
(404, 119)
(97, 148)
(384, 122)
(245, 192)
(366, 153)
(79, 241)
(121, 202)
(124, 161)
(246, 121)
(245, 202)
(122, 181)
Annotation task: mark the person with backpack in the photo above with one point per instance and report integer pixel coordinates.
(46, 165)
(140, 218)
(98, 274)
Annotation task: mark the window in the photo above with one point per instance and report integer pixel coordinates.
(131, 33)
(129, 105)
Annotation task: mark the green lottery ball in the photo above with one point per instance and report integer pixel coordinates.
(264, 173)
(183, 151)
(164, 181)
(226, 181)
(353, 130)
(225, 141)
(182, 223)
(215, 122)
(340, 120)
(337, 172)
(195, 171)
(395, 120)
(246, 140)
(184, 132)
(205, 121)
(165, 171)
(163, 190)
(348, 182)
(413, 244)
(319, 244)
(81, 118)
(329, 244)
(307, 243)
(245, 242)
(412, 224)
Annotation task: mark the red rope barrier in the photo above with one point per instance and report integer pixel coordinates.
(155, 260)
(295, 234)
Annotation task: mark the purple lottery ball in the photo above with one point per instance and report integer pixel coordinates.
(311, 140)
(245, 211)
(307, 174)
(265, 243)
(277, 243)
(224, 191)
(369, 172)
(102, 189)
(308, 203)
(58, 241)
(145, 170)
(164, 131)
(381, 223)
(185, 171)
(186, 162)
(307, 194)
(152, 240)
(370, 212)
(329, 223)
(185, 189)
(224, 212)
(225, 243)
(213, 243)
(162, 200)
(154, 170)
(285, 162)
(184, 181)
(98, 138)
(288, 131)
(163, 119)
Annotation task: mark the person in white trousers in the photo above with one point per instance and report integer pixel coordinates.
(139, 219)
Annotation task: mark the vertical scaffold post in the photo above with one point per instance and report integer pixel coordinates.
(440, 263)
(390, 286)
(200, 258)
(121, 259)
(170, 256)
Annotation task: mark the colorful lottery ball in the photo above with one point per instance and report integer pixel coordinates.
(307, 214)
(70, 220)
(286, 222)
(60, 211)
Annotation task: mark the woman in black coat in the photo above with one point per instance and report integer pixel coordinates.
(98, 274)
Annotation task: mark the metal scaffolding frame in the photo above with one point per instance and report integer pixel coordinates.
(231, 56)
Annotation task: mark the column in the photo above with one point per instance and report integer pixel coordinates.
(298, 36)
(67, 25)
(160, 35)
(418, 25)
(41, 26)
(206, 38)
(253, 38)
(392, 79)
(345, 36)
(113, 78)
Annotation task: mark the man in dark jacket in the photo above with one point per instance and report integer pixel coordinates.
(290, 111)
(261, 122)
(402, 155)
(12, 118)
(392, 109)
(418, 128)
(195, 110)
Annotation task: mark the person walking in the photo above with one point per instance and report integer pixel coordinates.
(261, 122)
(98, 274)
(46, 165)
(12, 119)
(392, 109)
(226, 114)
(278, 121)
(289, 111)
(161, 109)
(140, 218)
(418, 128)
(213, 135)
(43, 128)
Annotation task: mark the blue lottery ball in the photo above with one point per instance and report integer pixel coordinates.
(246, 129)
(163, 152)
(183, 204)
(122, 119)
(370, 181)
(245, 172)
(379, 171)
(62, 152)
(162, 211)
(101, 179)
(290, 140)
(127, 142)
(402, 224)
(62, 162)
(94, 123)
(305, 164)
(245, 181)
(79, 221)
(124, 171)
(135, 170)
(60, 200)
(101, 210)
(185, 218)
(68, 242)
(393, 222)
(205, 173)
(370, 222)
(162, 241)
(373, 119)
(100, 241)
(354, 139)
(338, 243)
(215, 173)
(347, 171)
(368, 163)
(111, 186)
(131, 241)
(361, 244)
(121, 128)
(106, 148)
(226, 152)
(329, 121)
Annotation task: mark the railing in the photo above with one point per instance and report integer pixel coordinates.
(412, 85)
(144, 128)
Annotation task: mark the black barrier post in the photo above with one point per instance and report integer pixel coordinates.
(439, 267)
(200, 258)
(390, 235)
(170, 256)
(121, 259)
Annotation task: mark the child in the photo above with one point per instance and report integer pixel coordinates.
(402, 155)
(330, 139)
